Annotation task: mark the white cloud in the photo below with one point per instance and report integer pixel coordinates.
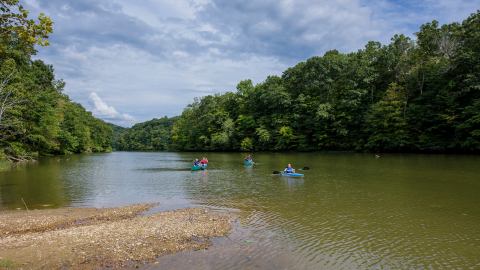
(153, 11)
(140, 84)
(103, 110)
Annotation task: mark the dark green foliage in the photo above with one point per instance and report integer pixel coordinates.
(409, 95)
(43, 121)
(385, 122)
(153, 135)
(36, 118)
(117, 133)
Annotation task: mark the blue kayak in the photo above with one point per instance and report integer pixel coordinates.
(248, 162)
(292, 174)
(199, 167)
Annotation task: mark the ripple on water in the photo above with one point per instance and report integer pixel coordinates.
(348, 212)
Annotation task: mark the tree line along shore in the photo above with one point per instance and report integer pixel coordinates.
(36, 117)
(411, 95)
(420, 95)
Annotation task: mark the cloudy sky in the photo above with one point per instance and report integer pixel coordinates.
(130, 61)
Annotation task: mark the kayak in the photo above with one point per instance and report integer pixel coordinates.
(292, 174)
(248, 162)
(199, 167)
(196, 168)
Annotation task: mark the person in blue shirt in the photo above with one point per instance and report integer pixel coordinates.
(289, 169)
(196, 162)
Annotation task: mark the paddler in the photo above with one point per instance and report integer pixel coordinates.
(289, 169)
(196, 162)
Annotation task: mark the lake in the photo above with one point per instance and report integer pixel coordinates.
(350, 211)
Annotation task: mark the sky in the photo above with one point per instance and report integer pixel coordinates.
(131, 61)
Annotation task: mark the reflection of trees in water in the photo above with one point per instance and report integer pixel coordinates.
(354, 201)
(245, 189)
(38, 184)
(47, 183)
(77, 176)
(293, 183)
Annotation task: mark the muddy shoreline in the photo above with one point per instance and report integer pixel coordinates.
(90, 238)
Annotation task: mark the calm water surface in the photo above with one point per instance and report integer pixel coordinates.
(350, 211)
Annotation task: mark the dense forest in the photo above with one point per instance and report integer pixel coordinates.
(36, 118)
(153, 135)
(411, 95)
(419, 95)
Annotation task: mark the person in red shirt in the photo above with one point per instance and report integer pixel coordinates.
(204, 161)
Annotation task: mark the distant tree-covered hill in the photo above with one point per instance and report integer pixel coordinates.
(116, 133)
(153, 135)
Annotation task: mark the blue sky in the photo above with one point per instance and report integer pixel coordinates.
(130, 61)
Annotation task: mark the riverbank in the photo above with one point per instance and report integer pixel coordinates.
(5, 164)
(88, 238)
(8, 162)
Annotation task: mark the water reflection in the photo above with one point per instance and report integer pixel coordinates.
(349, 211)
(354, 212)
(292, 183)
(18, 189)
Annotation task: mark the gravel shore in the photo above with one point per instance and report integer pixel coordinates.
(88, 238)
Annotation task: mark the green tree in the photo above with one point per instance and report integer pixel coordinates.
(386, 123)
(246, 144)
(408, 95)
(153, 135)
(36, 118)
